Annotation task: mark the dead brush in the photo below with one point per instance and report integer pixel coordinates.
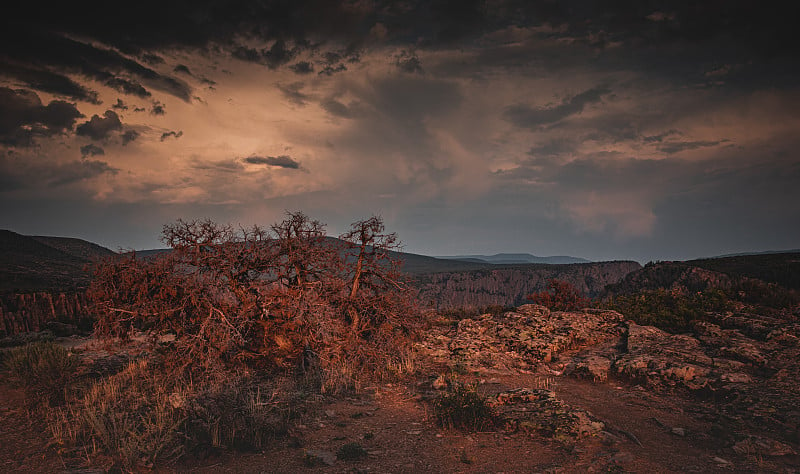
(243, 414)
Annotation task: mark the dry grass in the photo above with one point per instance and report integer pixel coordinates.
(144, 415)
(131, 417)
(242, 414)
(43, 369)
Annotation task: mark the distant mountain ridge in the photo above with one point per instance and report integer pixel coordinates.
(750, 254)
(517, 258)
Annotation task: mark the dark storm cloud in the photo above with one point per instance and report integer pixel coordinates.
(688, 36)
(100, 128)
(128, 87)
(331, 70)
(292, 92)
(48, 81)
(281, 161)
(107, 66)
(226, 166)
(171, 133)
(412, 98)
(275, 56)
(158, 109)
(302, 67)
(182, 68)
(524, 116)
(408, 62)
(553, 147)
(152, 59)
(120, 105)
(79, 170)
(278, 54)
(23, 117)
(659, 137)
(91, 150)
(246, 54)
(338, 109)
(129, 136)
(677, 147)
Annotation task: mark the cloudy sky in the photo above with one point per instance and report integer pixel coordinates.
(606, 130)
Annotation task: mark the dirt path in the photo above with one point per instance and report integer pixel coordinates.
(394, 428)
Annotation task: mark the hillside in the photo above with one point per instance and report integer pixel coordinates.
(509, 285)
(410, 263)
(780, 268)
(44, 263)
(723, 273)
(76, 247)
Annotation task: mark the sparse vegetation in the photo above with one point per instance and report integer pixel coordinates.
(43, 369)
(130, 417)
(243, 414)
(560, 296)
(351, 452)
(145, 414)
(462, 407)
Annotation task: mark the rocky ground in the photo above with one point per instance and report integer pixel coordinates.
(734, 379)
(583, 391)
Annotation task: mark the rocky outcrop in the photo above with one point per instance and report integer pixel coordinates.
(510, 285)
(30, 312)
(656, 357)
(525, 337)
(541, 412)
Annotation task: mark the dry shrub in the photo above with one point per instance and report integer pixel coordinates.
(242, 414)
(265, 299)
(44, 369)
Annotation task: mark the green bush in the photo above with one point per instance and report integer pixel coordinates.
(464, 408)
(43, 369)
(671, 310)
(763, 294)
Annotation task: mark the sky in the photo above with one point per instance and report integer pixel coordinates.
(644, 130)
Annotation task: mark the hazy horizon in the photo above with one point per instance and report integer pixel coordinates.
(642, 131)
(160, 246)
